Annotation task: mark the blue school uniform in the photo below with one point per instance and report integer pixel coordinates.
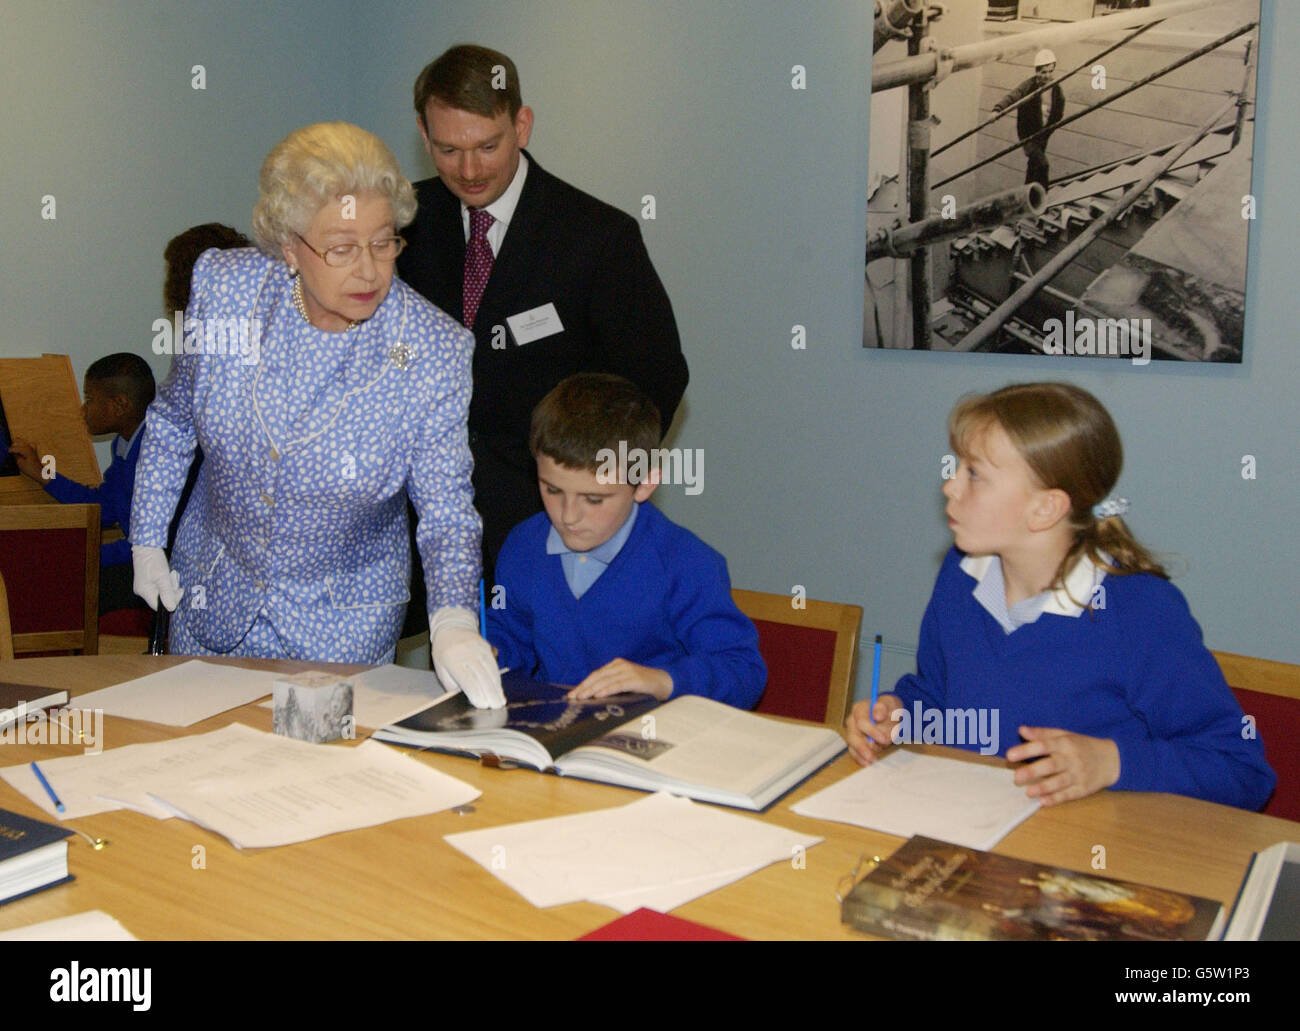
(113, 496)
(663, 601)
(1132, 669)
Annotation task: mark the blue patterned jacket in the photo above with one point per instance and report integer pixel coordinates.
(311, 442)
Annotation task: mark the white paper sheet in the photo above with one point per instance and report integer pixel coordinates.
(224, 755)
(355, 787)
(182, 695)
(92, 926)
(908, 793)
(98, 783)
(659, 851)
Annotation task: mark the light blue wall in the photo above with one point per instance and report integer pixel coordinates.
(822, 466)
(99, 112)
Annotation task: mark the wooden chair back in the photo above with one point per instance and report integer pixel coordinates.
(811, 654)
(49, 558)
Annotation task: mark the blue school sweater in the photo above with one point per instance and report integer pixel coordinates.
(1135, 671)
(113, 497)
(664, 602)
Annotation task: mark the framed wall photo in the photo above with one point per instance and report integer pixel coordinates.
(1061, 179)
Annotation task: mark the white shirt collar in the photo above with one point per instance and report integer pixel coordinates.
(1079, 583)
(502, 209)
(122, 446)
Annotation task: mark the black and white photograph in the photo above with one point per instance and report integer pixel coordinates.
(1061, 177)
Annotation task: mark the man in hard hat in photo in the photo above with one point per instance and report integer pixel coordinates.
(1033, 116)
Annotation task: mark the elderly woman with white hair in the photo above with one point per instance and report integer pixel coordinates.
(322, 390)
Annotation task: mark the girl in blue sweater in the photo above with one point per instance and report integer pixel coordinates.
(1050, 623)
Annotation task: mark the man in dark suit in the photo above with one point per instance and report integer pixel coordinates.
(1043, 111)
(550, 280)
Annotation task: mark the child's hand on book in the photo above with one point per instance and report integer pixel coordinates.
(622, 677)
(866, 738)
(1072, 765)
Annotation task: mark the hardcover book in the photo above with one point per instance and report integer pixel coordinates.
(33, 855)
(932, 890)
(1268, 904)
(19, 700)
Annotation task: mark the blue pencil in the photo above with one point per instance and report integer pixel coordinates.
(875, 680)
(48, 790)
(482, 608)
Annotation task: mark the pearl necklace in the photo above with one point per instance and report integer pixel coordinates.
(301, 304)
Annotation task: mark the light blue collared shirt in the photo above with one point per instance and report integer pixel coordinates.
(122, 446)
(1082, 582)
(583, 568)
(991, 592)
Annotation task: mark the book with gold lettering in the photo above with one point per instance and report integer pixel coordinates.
(932, 890)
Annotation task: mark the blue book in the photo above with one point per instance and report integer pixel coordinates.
(33, 855)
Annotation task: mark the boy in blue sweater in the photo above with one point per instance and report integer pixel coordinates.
(1052, 625)
(601, 590)
(117, 391)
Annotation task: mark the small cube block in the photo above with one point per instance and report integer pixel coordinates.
(313, 706)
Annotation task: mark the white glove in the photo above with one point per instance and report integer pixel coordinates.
(462, 659)
(155, 579)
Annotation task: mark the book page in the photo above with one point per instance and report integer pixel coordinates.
(699, 741)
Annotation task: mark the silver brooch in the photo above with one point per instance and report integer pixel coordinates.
(401, 356)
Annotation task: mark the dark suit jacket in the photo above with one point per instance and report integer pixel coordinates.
(566, 248)
(1029, 117)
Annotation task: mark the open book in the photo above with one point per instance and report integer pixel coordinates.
(689, 746)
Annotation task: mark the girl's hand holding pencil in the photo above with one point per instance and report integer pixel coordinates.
(868, 728)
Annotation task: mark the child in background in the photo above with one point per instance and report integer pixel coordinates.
(117, 390)
(602, 590)
(1050, 612)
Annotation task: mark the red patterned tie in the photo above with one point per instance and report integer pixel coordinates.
(478, 262)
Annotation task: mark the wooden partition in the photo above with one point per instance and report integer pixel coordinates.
(42, 404)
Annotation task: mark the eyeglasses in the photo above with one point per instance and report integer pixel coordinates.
(344, 254)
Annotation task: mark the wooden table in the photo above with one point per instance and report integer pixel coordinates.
(401, 880)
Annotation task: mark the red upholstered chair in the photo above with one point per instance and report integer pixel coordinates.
(49, 558)
(1270, 692)
(811, 655)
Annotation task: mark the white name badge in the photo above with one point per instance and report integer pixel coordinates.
(532, 325)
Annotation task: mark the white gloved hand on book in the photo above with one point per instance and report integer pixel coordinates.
(462, 659)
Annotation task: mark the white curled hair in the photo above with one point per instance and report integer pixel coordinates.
(318, 163)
